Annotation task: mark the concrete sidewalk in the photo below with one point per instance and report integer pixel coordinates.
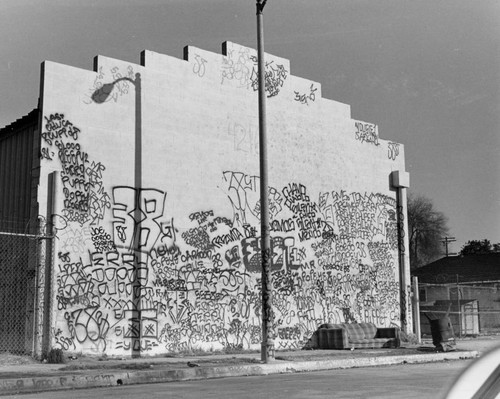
(26, 375)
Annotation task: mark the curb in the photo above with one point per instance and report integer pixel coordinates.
(103, 379)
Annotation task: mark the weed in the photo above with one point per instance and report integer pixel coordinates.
(409, 338)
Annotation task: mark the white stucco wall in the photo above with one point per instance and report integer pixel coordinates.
(185, 212)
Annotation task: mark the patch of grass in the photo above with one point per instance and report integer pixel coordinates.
(7, 358)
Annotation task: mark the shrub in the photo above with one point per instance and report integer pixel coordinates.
(55, 356)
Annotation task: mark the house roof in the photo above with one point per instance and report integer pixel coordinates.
(471, 268)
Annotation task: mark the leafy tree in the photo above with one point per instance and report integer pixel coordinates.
(476, 247)
(426, 228)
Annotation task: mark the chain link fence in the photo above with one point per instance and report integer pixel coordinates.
(20, 299)
(473, 308)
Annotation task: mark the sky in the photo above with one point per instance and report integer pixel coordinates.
(427, 72)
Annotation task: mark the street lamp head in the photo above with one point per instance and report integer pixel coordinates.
(102, 93)
(260, 6)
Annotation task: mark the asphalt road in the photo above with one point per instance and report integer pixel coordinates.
(403, 381)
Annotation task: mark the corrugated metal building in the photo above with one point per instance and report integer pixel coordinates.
(19, 260)
(19, 171)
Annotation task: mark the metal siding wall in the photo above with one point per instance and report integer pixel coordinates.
(16, 159)
(27, 146)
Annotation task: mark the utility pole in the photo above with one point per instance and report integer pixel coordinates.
(267, 345)
(459, 309)
(416, 310)
(446, 241)
(99, 96)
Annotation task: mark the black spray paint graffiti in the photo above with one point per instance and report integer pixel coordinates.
(88, 324)
(274, 78)
(199, 66)
(57, 127)
(138, 223)
(366, 132)
(305, 213)
(244, 195)
(305, 98)
(333, 259)
(392, 150)
(243, 191)
(84, 196)
(401, 230)
(115, 273)
(63, 342)
(74, 284)
(102, 240)
(241, 68)
(237, 68)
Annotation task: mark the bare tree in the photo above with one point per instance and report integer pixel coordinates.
(426, 227)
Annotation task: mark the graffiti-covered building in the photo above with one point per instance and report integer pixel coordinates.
(148, 191)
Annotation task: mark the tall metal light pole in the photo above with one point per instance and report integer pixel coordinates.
(100, 96)
(267, 346)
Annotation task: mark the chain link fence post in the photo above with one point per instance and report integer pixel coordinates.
(25, 255)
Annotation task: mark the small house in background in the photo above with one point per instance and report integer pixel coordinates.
(468, 287)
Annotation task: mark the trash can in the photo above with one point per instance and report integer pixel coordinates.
(443, 336)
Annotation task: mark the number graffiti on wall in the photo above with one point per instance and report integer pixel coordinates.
(305, 98)
(199, 67)
(392, 150)
(246, 139)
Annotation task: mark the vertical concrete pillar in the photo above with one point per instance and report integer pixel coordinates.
(46, 275)
(401, 181)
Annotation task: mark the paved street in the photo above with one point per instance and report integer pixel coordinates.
(402, 381)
